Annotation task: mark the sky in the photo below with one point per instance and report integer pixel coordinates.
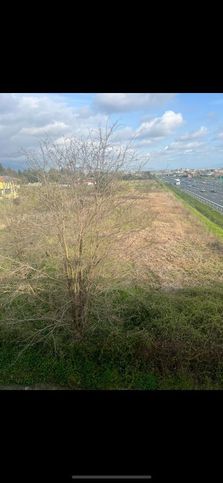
(168, 131)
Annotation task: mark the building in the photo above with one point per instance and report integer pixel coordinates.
(8, 187)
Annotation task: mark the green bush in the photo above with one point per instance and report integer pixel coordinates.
(136, 339)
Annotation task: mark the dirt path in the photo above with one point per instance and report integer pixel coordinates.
(176, 246)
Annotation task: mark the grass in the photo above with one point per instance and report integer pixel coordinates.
(137, 337)
(147, 340)
(145, 186)
(212, 219)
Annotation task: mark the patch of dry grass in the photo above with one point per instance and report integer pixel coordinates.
(161, 243)
(173, 245)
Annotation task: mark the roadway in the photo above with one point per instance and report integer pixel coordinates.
(209, 189)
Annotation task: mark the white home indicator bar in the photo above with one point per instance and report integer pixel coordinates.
(111, 477)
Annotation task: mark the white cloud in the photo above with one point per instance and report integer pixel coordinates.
(124, 134)
(194, 134)
(160, 126)
(27, 101)
(144, 143)
(181, 146)
(53, 128)
(118, 102)
(7, 103)
(188, 143)
(27, 118)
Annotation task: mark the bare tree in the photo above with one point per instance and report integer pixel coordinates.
(76, 220)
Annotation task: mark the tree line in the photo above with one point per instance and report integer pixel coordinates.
(55, 175)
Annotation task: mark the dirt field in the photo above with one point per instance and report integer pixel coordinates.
(176, 247)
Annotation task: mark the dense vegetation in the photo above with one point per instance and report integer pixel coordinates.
(137, 339)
